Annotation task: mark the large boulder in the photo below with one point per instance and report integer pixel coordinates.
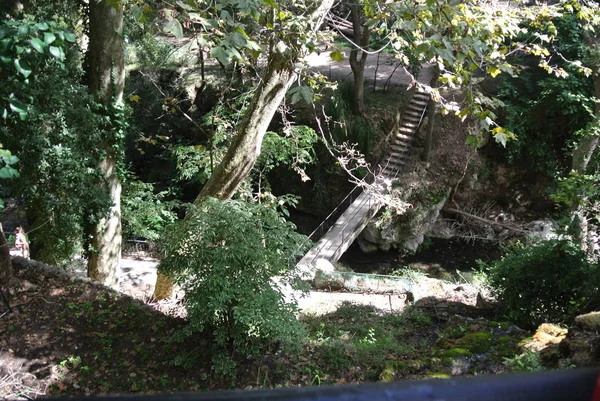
(581, 347)
(404, 231)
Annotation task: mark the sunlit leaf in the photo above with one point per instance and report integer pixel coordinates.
(38, 45)
(57, 52)
(49, 37)
(174, 27)
(337, 55)
(22, 67)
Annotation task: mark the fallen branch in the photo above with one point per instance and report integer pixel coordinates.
(483, 220)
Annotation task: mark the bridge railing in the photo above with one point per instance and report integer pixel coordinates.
(559, 385)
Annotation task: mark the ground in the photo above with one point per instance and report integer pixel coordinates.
(67, 335)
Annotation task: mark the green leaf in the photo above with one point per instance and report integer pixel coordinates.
(220, 54)
(18, 107)
(57, 52)
(237, 39)
(38, 45)
(337, 55)
(23, 30)
(41, 26)
(70, 37)
(8, 172)
(493, 71)
(22, 67)
(174, 27)
(49, 37)
(301, 93)
(184, 6)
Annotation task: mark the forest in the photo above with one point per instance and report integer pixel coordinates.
(201, 195)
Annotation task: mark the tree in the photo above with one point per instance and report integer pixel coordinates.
(106, 78)
(359, 54)
(290, 35)
(280, 73)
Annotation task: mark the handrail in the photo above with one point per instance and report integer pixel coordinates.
(557, 385)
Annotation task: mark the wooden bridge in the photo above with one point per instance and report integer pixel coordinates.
(365, 206)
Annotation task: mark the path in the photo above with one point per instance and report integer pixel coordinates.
(137, 277)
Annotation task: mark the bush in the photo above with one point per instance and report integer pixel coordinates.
(225, 256)
(549, 282)
(144, 212)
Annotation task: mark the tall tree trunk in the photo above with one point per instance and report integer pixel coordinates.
(584, 151)
(246, 147)
(106, 74)
(358, 57)
(582, 155)
(6, 272)
(431, 114)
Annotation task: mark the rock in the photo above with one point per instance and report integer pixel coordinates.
(404, 231)
(589, 321)
(581, 346)
(546, 335)
(324, 265)
(542, 230)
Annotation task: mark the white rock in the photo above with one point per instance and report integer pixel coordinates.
(324, 265)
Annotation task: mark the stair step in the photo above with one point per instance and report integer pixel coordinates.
(399, 148)
(412, 113)
(416, 106)
(410, 124)
(394, 163)
(396, 158)
(402, 137)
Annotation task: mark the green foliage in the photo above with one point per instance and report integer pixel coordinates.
(546, 111)
(225, 256)
(150, 51)
(579, 190)
(59, 148)
(26, 46)
(528, 361)
(360, 338)
(293, 149)
(548, 282)
(347, 127)
(145, 213)
(7, 160)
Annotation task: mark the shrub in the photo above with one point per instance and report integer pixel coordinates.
(225, 255)
(144, 212)
(551, 281)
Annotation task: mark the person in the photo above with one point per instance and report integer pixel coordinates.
(21, 242)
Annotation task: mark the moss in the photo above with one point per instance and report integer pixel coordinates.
(504, 326)
(437, 375)
(395, 369)
(589, 321)
(478, 342)
(452, 354)
(444, 343)
(525, 342)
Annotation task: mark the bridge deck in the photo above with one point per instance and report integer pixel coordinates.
(345, 230)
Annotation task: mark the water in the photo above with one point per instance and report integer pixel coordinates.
(449, 259)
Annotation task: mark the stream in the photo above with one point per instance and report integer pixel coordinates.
(446, 259)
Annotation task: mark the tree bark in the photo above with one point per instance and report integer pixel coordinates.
(246, 147)
(106, 74)
(582, 155)
(6, 272)
(358, 57)
(431, 114)
(587, 146)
